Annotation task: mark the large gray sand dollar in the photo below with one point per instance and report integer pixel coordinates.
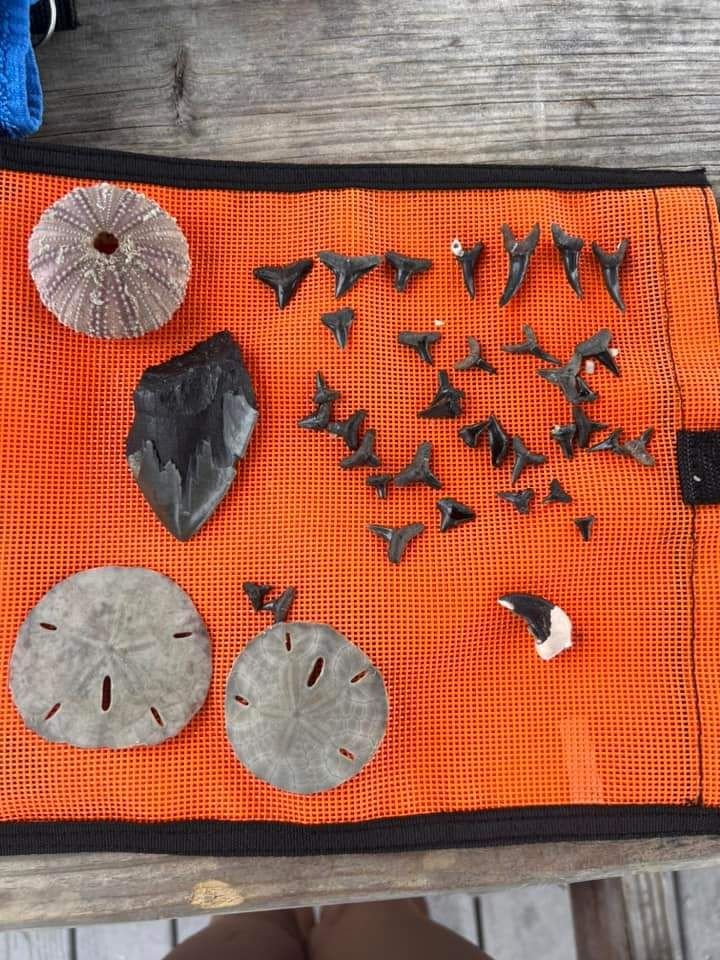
(111, 657)
(305, 709)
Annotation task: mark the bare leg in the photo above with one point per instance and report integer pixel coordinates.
(269, 935)
(388, 930)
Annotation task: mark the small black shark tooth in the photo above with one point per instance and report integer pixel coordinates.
(323, 393)
(498, 439)
(610, 264)
(284, 280)
(319, 419)
(598, 346)
(380, 482)
(569, 248)
(280, 606)
(447, 402)
(585, 427)
(549, 625)
(467, 261)
(418, 471)
(474, 359)
(637, 449)
(524, 458)
(531, 347)
(584, 525)
(364, 456)
(419, 342)
(397, 538)
(519, 253)
(567, 379)
(557, 493)
(256, 593)
(338, 323)
(349, 429)
(472, 432)
(453, 513)
(563, 435)
(347, 270)
(405, 268)
(611, 444)
(521, 500)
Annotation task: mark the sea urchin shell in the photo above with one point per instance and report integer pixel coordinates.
(109, 262)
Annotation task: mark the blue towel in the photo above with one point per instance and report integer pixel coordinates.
(21, 100)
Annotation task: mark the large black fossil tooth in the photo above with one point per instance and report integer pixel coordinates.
(498, 439)
(380, 482)
(569, 248)
(474, 359)
(598, 346)
(405, 268)
(364, 456)
(324, 393)
(347, 270)
(467, 261)
(283, 280)
(573, 387)
(610, 264)
(256, 593)
(338, 323)
(194, 415)
(418, 470)
(557, 493)
(280, 606)
(637, 449)
(584, 525)
(563, 435)
(584, 426)
(397, 538)
(471, 433)
(349, 429)
(548, 624)
(519, 253)
(531, 347)
(521, 500)
(419, 342)
(524, 458)
(453, 513)
(319, 419)
(611, 443)
(447, 402)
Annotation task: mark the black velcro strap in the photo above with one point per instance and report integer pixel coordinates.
(698, 459)
(40, 16)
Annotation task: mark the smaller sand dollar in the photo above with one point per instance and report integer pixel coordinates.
(305, 709)
(111, 657)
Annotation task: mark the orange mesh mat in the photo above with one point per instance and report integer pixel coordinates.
(478, 724)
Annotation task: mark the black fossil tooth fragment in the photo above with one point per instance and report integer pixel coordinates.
(474, 359)
(563, 435)
(364, 456)
(573, 387)
(280, 606)
(584, 426)
(324, 393)
(499, 441)
(519, 253)
(380, 482)
(397, 538)
(347, 270)
(598, 346)
(256, 593)
(548, 624)
(319, 419)
(447, 402)
(531, 347)
(467, 261)
(610, 264)
(418, 470)
(521, 500)
(194, 415)
(611, 443)
(453, 513)
(338, 323)
(283, 280)
(569, 248)
(419, 342)
(405, 268)
(349, 429)
(584, 525)
(583, 392)
(524, 458)
(470, 434)
(557, 493)
(637, 449)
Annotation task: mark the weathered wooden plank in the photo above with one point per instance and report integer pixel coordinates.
(124, 941)
(699, 899)
(652, 917)
(598, 909)
(523, 81)
(35, 945)
(532, 922)
(456, 911)
(90, 888)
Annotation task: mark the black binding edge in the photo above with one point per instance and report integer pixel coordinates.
(87, 162)
(426, 832)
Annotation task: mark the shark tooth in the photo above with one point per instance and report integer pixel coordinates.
(319, 419)
(418, 470)
(569, 248)
(406, 268)
(584, 426)
(610, 264)
(584, 525)
(256, 593)
(531, 347)
(521, 500)
(557, 493)
(519, 253)
(637, 449)
(284, 280)
(349, 430)
(324, 393)
(498, 439)
(194, 416)
(419, 342)
(548, 624)
(467, 261)
(474, 359)
(447, 402)
(397, 538)
(380, 482)
(598, 346)
(364, 456)
(347, 270)
(338, 323)
(453, 513)
(280, 606)
(563, 435)
(471, 433)
(611, 443)
(524, 458)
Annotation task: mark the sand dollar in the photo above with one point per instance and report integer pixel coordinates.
(305, 709)
(111, 657)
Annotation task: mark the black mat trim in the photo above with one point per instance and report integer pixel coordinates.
(698, 462)
(429, 832)
(70, 161)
